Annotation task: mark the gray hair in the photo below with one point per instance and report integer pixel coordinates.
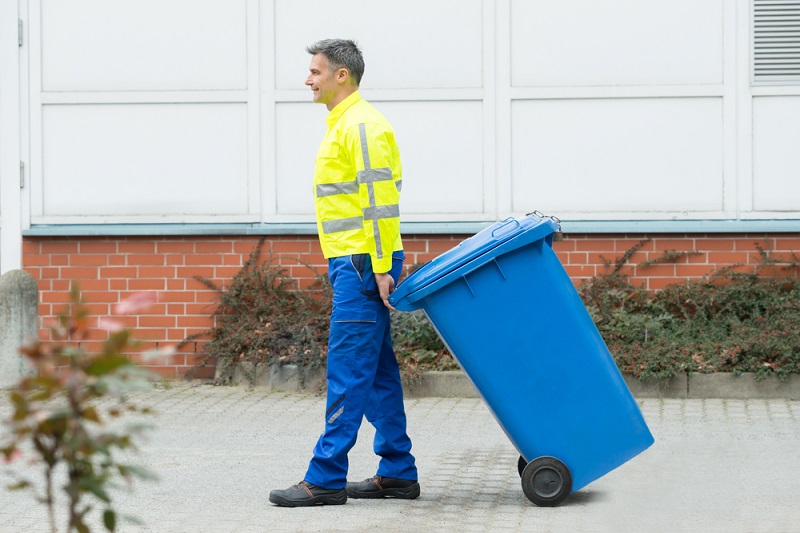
(340, 53)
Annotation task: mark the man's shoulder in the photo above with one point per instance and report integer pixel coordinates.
(362, 112)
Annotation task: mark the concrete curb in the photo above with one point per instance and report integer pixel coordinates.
(455, 384)
(19, 298)
(278, 378)
(742, 386)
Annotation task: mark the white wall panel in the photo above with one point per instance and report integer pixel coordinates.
(299, 128)
(630, 155)
(616, 42)
(440, 146)
(776, 153)
(148, 159)
(126, 45)
(409, 44)
(10, 141)
(195, 110)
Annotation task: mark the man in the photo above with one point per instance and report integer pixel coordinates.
(356, 195)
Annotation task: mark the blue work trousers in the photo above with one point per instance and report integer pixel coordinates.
(363, 378)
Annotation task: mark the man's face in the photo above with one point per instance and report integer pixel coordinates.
(322, 80)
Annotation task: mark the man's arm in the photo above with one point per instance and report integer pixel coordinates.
(377, 170)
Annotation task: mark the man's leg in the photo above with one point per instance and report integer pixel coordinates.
(353, 346)
(397, 473)
(350, 375)
(357, 326)
(386, 412)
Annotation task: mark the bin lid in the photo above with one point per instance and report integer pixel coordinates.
(482, 243)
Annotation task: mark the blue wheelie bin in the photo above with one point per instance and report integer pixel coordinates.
(508, 313)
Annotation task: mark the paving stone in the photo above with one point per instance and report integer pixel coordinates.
(718, 465)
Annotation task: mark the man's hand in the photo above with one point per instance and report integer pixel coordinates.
(385, 287)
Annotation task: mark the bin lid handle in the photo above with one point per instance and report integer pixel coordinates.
(506, 222)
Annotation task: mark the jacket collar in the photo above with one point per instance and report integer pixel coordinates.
(337, 112)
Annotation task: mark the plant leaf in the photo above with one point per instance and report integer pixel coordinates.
(138, 471)
(92, 485)
(106, 365)
(19, 485)
(90, 414)
(110, 519)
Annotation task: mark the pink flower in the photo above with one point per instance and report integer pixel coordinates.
(135, 303)
(166, 351)
(109, 325)
(16, 454)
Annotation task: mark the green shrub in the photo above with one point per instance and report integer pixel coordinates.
(728, 321)
(418, 346)
(60, 417)
(263, 318)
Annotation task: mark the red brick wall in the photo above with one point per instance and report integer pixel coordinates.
(109, 269)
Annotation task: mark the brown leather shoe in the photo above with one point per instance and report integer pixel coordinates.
(384, 487)
(304, 494)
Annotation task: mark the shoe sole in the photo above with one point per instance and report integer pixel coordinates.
(335, 499)
(407, 493)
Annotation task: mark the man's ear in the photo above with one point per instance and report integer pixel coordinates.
(342, 74)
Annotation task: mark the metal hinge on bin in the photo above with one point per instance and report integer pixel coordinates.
(557, 235)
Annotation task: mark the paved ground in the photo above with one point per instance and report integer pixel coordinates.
(717, 466)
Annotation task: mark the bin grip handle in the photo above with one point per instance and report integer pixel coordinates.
(506, 222)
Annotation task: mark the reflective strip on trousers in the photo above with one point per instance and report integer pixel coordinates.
(336, 415)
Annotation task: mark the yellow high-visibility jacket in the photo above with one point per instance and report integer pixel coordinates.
(357, 181)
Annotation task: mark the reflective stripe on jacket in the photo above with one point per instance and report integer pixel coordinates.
(357, 180)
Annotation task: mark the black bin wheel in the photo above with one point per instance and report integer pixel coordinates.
(546, 481)
(521, 464)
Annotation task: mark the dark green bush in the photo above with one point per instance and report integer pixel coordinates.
(728, 321)
(263, 318)
(417, 346)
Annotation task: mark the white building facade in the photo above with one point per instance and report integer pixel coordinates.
(190, 116)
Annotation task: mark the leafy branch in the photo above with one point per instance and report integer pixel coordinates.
(59, 421)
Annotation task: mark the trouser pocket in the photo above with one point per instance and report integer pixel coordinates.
(353, 332)
(362, 263)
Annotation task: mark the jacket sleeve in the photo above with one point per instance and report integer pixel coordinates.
(378, 171)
